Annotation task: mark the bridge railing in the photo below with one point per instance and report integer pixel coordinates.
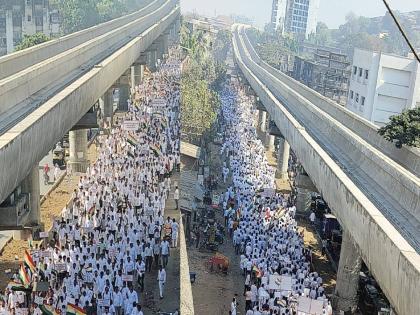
(62, 67)
(20, 60)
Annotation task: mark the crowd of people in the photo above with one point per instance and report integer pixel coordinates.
(113, 232)
(274, 261)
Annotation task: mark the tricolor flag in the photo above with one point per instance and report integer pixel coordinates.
(133, 141)
(74, 310)
(48, 310)
(155, 149)
(257, 271)
(29, 262)
(24, 277)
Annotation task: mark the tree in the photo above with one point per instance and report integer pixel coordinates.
(404, 127)
(32, 40)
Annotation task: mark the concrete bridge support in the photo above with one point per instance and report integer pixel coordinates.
(165, 39)
(262, 121)
(270, 142)
(283, 158)
(106, 103)
(78, 150)
(137, 73)
(345, 295)
(151, 59)
(31, 185)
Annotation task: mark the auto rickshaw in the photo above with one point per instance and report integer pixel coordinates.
(59, 156)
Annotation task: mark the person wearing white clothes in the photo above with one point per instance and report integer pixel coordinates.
(233, 306)
(175, 228)
(176, 197)
(161, 279)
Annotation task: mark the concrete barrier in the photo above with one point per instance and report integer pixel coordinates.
(186, 296)
(392, 261)
(28, 141)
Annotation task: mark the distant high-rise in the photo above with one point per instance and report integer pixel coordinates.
(295, 16)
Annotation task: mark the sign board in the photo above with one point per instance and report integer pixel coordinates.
(60, 267)
(39, 300)
(43, 234)
(130, 125)
(280, 283)
(127, 277)
(70, 300)
(21, 311)
(216, 199)
(158, 103)
(307, 306)
(45, 254)
(268, 192)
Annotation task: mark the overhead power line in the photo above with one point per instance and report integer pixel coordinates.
(401, 30)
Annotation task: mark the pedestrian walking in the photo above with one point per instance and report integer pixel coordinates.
(176, 197)
(162, 280)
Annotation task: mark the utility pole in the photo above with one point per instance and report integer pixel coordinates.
(401, 30)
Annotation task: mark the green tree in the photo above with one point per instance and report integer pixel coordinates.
(404, 127)
(32, 40)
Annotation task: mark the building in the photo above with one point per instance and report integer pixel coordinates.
(327, 73)
(297, 17)
(25, 17)
(383, 85)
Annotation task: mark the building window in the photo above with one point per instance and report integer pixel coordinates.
(351, 94)
(29, 18)
(360, 72)
(354, 69)
(366, 74)
(357, 97)
(362, 101)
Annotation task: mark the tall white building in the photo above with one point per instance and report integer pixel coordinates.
(382, 85)
(295, 16)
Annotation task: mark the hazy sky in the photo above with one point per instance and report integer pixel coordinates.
(332, 12)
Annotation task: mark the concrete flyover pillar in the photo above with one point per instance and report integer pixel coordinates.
(78, 150)
(345, 294)
(106, 103)
(30, 185)
(262, 121)
(137, 73)
(165, 42)
(283, 158)
(152, 59)
(270, 142)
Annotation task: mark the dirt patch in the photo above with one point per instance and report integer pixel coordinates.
(319, 261)
(51, 207)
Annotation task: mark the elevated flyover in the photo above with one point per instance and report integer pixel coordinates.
(46, 89)
(371, 187)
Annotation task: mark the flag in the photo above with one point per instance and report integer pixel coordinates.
(155, 149)
(74, 310)
(257, 271)
(131, 140)
(24, 277)
(16, 286)
(29, 261)
(47, 310)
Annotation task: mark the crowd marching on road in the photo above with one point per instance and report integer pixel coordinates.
(113, 232)
(275, 263)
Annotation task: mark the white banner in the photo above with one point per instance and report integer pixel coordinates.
(130, 125)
